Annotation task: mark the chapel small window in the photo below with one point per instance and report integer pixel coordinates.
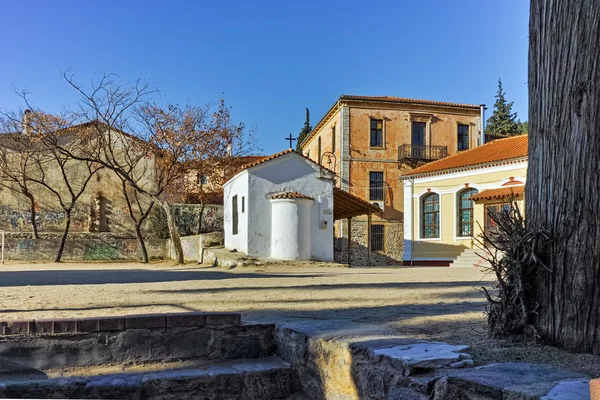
(376, 186)
(430, 216)
(243, 204)
(376, 133)
(234, 214)
(377, 236)
(463, 137)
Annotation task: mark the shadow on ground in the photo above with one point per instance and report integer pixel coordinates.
(112, 276)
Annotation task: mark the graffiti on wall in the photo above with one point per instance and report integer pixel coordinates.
(188, 218)
(19, 220)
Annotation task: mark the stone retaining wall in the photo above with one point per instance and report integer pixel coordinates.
(48, 344)
(393, 244)
(97, 249)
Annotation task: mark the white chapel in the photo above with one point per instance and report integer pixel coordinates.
(281, 207)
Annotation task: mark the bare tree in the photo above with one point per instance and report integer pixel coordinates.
(163, 146)
(15, 163)
(64, 176)
(138, 210)
(563, 183)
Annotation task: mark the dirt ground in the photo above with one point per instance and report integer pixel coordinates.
(427, 302)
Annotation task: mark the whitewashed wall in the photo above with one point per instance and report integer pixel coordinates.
(290, 172)
(237, 186)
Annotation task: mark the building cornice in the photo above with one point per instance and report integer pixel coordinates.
(468, 168)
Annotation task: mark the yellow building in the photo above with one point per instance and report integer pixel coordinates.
(445, 201)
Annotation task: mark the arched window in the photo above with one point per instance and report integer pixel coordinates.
(465, 212)
(430, 216)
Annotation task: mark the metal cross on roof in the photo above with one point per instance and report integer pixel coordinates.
(290, 139)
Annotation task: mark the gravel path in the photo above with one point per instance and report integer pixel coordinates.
(401, 296)
(428, 302)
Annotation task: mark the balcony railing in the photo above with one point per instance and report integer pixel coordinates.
(417, 152)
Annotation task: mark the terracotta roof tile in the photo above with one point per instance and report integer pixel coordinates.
(281, 153)
(290, 195)
(500, 193)
(406, 100)
(498, 150)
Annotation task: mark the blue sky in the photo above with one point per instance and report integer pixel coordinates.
(271, 59)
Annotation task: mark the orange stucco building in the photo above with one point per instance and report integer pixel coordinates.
(370, 142)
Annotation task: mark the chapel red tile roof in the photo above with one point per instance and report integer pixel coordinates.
(290, 195)
(406, 100)
(500, 193)
(499, 150)
(281, 153)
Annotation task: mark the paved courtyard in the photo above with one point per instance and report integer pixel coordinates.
(427, 302)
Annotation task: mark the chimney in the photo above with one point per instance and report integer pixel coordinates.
(27, 122)
(229, 149)
(482, 109)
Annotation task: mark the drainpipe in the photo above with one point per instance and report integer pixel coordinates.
(412, 223)
(482, 108)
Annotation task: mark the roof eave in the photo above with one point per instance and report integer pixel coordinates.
(410, 101)
(461, 169)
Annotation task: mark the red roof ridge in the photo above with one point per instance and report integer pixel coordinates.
(290, 195)
(499, 193)
(498, 150)
(282, 153)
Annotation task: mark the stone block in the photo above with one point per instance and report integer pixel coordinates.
(44, 326)
(182, 320)
(595, 389)
(426, 355)
(87, 325)
(149, 321)
(107, 324)
(223, 319)
(504, 380)
(64, 326)
(16, 327)
(569, 390)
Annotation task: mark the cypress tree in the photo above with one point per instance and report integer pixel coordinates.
(503, 120)
(306, 129)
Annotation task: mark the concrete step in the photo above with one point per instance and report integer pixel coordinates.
(266, 378)
(470, 258)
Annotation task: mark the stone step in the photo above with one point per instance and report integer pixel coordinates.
(133, 339)
(267, 378)
(345, 360)
(514, 381)
(350, 361)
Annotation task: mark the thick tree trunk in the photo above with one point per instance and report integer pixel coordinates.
(63, 239)
(563, 179)
(33, 216)
(173, 232)
(140, 238)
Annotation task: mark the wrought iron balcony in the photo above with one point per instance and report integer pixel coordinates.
(417, 152)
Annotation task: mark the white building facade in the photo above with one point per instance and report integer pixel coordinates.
(281, 208)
